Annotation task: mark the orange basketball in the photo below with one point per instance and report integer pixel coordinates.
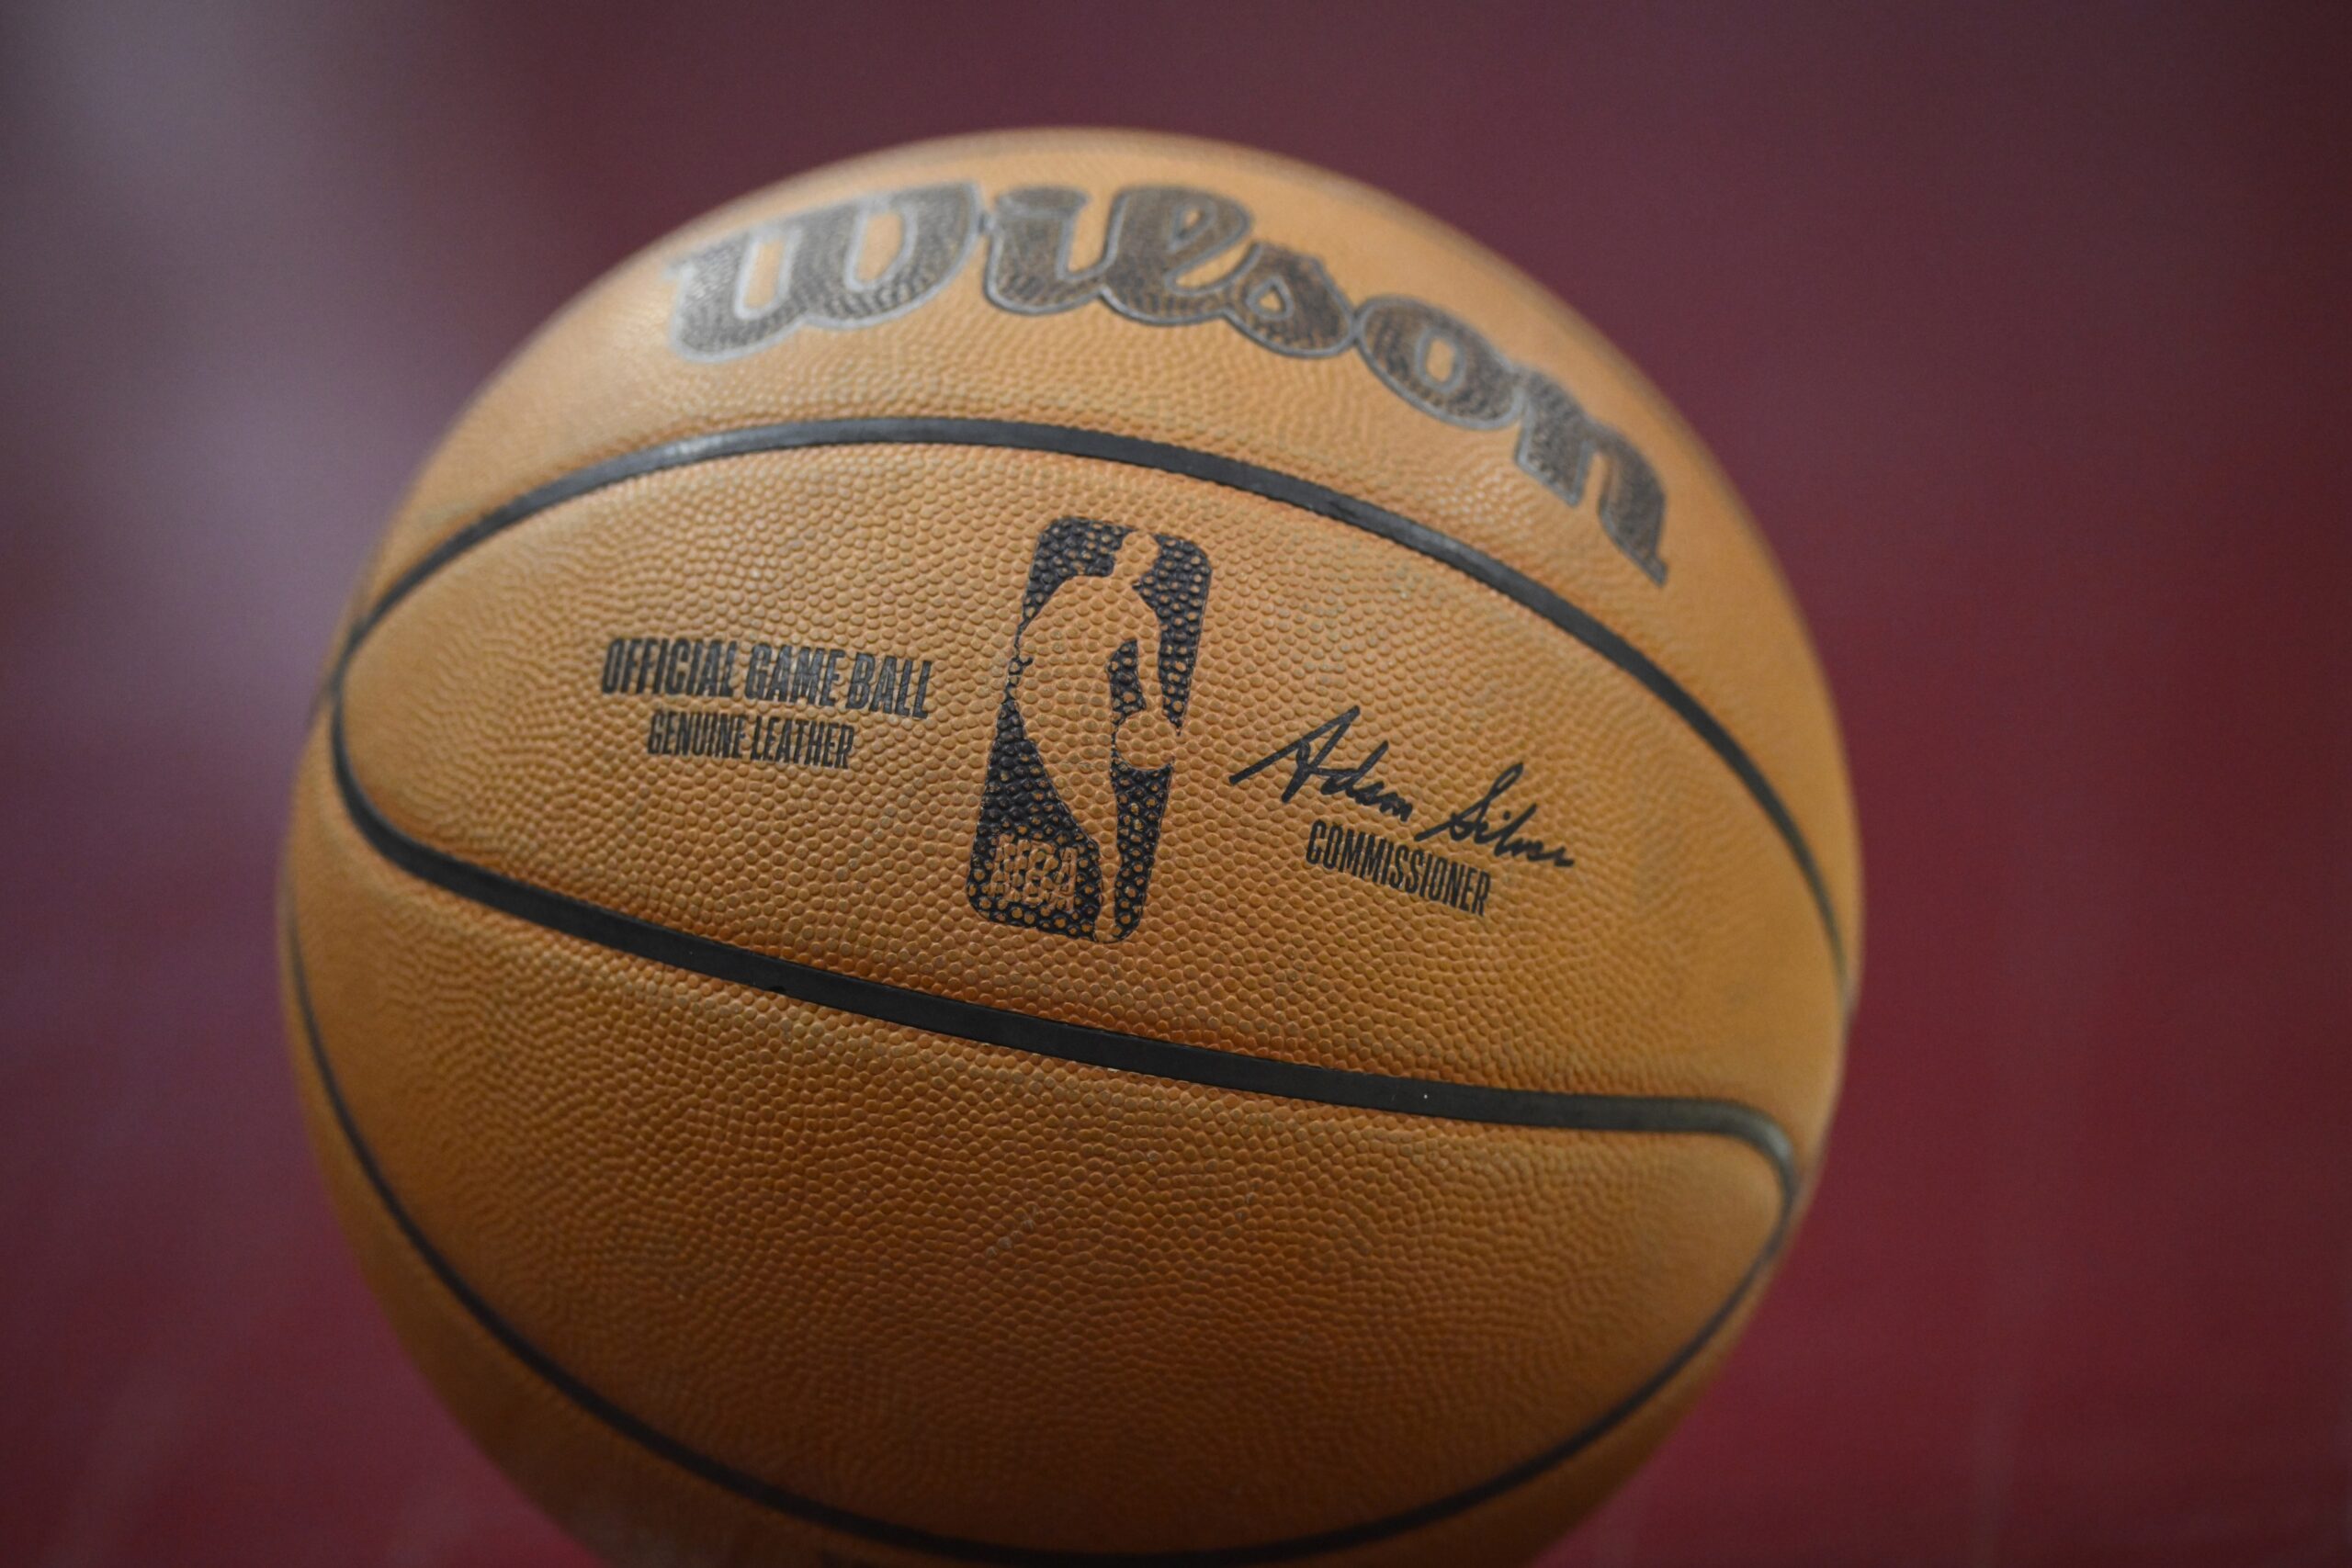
(1070, 848)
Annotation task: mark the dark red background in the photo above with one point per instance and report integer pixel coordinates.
(2023, 329)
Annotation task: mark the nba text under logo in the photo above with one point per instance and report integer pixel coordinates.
(1095, 696)
(757, 285)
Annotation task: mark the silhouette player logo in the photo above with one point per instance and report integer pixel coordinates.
(1086, 737)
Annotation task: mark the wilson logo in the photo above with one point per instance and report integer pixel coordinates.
(756, 286)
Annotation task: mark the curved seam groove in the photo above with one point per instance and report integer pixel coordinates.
(1441, 1099)
(766, 1493)
(1136, 452)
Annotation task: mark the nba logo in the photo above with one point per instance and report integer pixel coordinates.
(1085, 746)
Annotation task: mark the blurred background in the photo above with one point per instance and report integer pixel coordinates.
(2025, 330)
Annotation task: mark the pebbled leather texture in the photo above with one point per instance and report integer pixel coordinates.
(666, 1023)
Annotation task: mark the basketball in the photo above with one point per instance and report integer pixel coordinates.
(1072, 848)
(1145, 740)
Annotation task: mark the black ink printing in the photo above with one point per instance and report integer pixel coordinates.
(1308, 757)
(1469, 825)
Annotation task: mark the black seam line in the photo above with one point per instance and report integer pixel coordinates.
(1441, 1099)
(1124, 1052)
(1135, 452)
